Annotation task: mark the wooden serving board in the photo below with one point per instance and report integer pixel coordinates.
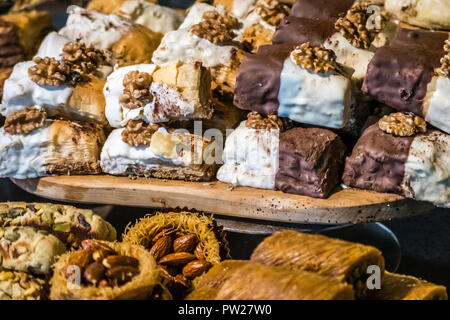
(344, 206)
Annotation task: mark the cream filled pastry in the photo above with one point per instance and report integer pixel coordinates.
(207, 36)
(172, 92)
(400, 155)
(260, 154)
(62, 78)
(130, 43)
(304, 84)
(432, 14)
(31, 146)
(150, 150)
(26, 249)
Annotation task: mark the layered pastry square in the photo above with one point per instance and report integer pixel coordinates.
(152, 150)
(66, 78)
(411, 74)
(303, 83)
(207, 35)
(353, 30)
(32, 146)
(304, 161)
(173, 92)
(399, 154)
(147, 13)
(129, 42)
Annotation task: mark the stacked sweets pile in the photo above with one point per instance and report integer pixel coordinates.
(336, 92)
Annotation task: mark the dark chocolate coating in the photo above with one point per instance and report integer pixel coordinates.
(293, 30)
(399, 73)
(377, 161)
(322, 9)
(258, 79)
(310, 162)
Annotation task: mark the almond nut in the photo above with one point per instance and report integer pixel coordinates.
(196, 268)
(163, 233)
(119, 260)
(94, 273)
(122, 273)
(93, 244)
(80, 259)
(182, 280)
(161, 247)
(177, 259)
(101, 253)
(185, 243)
(199, 253)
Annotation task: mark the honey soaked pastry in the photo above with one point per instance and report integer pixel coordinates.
(259, 282)
(344, 261)
(32, 147)
(402, 287)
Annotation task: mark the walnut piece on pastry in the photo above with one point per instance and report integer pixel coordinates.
(59, 147)
(169, 155)
(172, 92)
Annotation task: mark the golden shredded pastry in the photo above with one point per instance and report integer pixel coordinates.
(25, 121)
(403, 125)
(81, 59)
(257, 121)
(216, 27)
(444, 70)
(138, 133)
(136, 93)
(271, 11)
(355, 25)
(317, 59)
(49, 72)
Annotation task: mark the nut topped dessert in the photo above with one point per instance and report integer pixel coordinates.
(21, 286)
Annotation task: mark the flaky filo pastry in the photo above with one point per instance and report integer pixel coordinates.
(141, 286)
(342, 260)
(53, 147)
(253, 281)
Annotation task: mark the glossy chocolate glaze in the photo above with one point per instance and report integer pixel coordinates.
(258, 79)
(310, 162)
(293, 30)
(322, 9)
(399, 73)
(377, 161)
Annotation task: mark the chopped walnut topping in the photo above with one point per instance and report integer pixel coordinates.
(138, 133)
(271, 11)
(216, 27)
(24, 121)
(81, 59)
(257, 121)
(49, 72)
(357, 27)
(401, 124)
(136, 93)
(317, 59)
(444, 70)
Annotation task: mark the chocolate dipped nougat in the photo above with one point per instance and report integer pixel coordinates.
(304, 161)
(32, 146)
(147, 13)
(341, 260)
(402, 287)
(411, 74)
(173, 92)
(352, 30)
(207, 35)
(22, 286)
(303, 83)
(65, 78)
(152, 150)
(129, 42)
(431, 14)
(400, 155)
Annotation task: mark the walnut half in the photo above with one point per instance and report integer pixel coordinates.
(49, 72)
(401, 124)
(216, 27)
(271, 11)
(24, 121)
(317, 59)
(138, 133)
(81, 59)
(136, 93)
(257, 121)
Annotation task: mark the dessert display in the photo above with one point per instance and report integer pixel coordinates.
(432, 14)
(184, 244)
(411, 74)
(107, 271)
(260, 154)
(399, 154)
(21, 286)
